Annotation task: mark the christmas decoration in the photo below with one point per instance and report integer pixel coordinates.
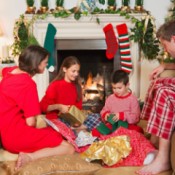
(124, 46)
(171, 12)
(59, 5)
(125, 5)
(111, 41)
(30, 7)
(111, 5)
(49, 44)
(141, 33)
(86, 5)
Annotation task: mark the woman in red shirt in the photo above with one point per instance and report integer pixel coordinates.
(20, 105)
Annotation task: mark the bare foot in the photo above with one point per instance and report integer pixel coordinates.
(23, 158)
(157, 166)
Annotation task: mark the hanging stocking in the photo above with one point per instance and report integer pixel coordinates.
(111, 41)
(124, 46)
(49, 45)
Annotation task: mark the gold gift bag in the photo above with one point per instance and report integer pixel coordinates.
(75, 117)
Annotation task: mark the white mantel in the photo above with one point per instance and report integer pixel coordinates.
(88, 28)
(84, 28)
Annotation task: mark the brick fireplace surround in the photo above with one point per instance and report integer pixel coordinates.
(86, 28)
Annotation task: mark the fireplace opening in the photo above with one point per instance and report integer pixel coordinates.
(95, 71)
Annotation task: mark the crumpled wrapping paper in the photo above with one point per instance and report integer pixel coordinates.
(84, 138)
(110, 151)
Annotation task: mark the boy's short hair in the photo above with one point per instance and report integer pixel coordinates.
(120, 76)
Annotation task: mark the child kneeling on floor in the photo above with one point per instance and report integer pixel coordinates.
(121, 109)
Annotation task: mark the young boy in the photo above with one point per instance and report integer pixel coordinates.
(121, 106)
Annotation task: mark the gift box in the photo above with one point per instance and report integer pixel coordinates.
(75, 117)
(105, 128)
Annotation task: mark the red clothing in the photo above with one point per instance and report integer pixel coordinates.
(18, 101)
(159, 108)
(127, 107)
(59, 92)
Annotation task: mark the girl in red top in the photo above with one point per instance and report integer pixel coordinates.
(64, 91)
(20, 104)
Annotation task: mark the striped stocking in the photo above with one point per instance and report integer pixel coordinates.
(124, 46)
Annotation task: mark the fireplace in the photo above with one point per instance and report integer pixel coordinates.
(96, 69)
(87, 33)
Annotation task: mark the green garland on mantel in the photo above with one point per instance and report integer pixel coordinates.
(143, 31)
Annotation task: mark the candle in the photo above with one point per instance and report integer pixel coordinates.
(5, 51)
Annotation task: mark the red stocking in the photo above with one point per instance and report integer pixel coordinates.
(111, 41)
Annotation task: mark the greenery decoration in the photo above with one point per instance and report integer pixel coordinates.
(139, 2)
(22, 36)
(125, 2)
(143, 31)
(59, 3)
(111, 3)
(171, 10)
(44, 3)
(102, 2)
(30, 3)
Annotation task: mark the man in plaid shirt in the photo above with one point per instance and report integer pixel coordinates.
(159, 107)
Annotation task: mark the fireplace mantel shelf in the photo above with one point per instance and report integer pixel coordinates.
(84, 28)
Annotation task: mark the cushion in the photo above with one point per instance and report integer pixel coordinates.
(69, 164)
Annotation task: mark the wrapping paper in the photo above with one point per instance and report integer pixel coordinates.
(84, 138)
(110, 151)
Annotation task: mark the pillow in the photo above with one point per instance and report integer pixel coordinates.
(57, 165)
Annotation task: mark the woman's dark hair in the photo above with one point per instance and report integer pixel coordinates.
(120, 76)
(67, 63)
(31, 57)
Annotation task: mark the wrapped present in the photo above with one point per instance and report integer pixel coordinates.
(75, 117)
(110, 151)
(105, 129)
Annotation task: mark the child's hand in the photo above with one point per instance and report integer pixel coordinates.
(106, 116)
(115, 117)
